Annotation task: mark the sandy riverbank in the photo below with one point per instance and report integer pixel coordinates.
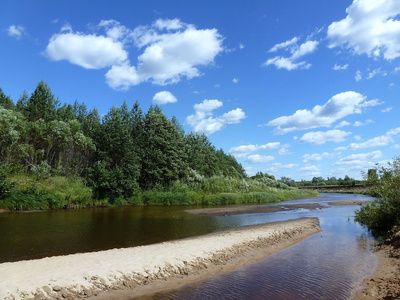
(155, 266)
(251, 209)
(385, 282)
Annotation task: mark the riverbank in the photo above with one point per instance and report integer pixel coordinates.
(385, 282)
(148, 268)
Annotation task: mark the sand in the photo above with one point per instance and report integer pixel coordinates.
(251, 209)
(385, 282)
(150, 267)
(350, 202)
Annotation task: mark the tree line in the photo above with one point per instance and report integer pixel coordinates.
(120, 154)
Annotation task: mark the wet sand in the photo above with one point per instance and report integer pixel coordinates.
(130, 272)
(350, 202)
(251, 209)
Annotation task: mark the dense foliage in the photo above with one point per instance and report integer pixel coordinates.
(121, 157)
(382, 216)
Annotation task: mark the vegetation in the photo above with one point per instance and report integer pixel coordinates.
(330, 181)
(382, 216)
(62, 156)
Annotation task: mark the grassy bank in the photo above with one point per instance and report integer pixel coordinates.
(29, 193)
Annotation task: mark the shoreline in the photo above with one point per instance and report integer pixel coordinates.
(145, 269)
(384, 283)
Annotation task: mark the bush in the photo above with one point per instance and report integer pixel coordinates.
(382, 216)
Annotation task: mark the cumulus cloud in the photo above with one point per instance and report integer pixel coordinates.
(362, 160)
(371, 27)
(235, 80)
(169, 50)
(164, 97)
(86, 50)
(338, 107)
(244, 150)
(378, 141)
(309, 171)
(321, 137)
(203, 120)
(375, 72)
(296, 51)
(315, 157)
(258, 159)
(276, 167)
(16, 31)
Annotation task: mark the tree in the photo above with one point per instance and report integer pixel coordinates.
(382, 216)
(116, 172)
(164, 159)
(5, 101)
(42, 104)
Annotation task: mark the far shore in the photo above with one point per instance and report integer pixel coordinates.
(131, 272)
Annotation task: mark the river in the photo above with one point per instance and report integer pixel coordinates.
(327, 265)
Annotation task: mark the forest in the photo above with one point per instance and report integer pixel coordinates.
(55, 155)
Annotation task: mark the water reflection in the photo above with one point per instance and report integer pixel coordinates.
(328, 265)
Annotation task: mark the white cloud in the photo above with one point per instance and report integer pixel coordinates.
(235, 80)
(321, 137)
(339, 67)
(342, 124)
(241, 46)
(288, 44)
(244, 150)
(276, 167)
(359, 123)
(291, 63)
(387, 109)
(284, 150)
(358, 76)
(338, 107)
(164, 97)
(315, 157)
(16, 31)
(396, 146)
(361, 160)
(370, 28)
(169, 51)
(375, 72)
(88, 51)
(258, 159)
(358, 138)
(378, 141)
(204, 122)
(309, 171)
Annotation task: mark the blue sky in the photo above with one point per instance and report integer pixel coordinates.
(292, 88)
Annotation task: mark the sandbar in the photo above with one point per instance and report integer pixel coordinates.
(251, 209)
(349, 202)
(139, 270)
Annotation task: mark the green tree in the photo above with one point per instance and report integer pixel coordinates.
(164, 159)
(116, 172)
(382, 215)
(5, 101)
(42, 104)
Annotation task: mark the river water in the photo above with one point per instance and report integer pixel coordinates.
(328, 265)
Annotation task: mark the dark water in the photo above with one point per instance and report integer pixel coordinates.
(328, 265)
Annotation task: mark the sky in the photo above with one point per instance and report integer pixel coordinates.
(297, 89)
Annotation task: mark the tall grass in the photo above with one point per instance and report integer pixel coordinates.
(58, 192)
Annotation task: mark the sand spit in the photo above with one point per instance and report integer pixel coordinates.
(251, 209)
(90, 274)
(350, 202)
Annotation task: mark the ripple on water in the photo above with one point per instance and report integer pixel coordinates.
(328, 265)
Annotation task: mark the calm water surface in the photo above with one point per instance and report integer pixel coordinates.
(328, 265)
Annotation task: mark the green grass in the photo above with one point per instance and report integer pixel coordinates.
(59, 192)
